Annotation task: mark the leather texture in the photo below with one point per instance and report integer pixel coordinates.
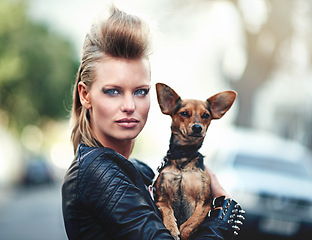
(104, 196)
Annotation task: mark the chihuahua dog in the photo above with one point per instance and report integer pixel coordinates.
(183, 186)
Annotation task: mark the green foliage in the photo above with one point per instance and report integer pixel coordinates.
(37, 68)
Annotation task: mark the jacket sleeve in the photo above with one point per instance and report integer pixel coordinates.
(213, 229)
(119, 205)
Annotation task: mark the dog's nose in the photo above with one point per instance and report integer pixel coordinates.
(197, 128)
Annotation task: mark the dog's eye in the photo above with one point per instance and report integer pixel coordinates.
(205, 116)
(184, 114)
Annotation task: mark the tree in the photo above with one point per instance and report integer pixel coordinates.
(262, 50)
(37, 68)
(274, 52)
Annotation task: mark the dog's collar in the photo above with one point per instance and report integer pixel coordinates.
(182, 153)
(177, 152)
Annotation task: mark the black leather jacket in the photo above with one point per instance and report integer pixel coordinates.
(104, 196)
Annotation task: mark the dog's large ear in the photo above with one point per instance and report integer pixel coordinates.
(167, 98)
(221, 103)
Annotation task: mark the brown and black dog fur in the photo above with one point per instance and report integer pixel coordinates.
(183, 186)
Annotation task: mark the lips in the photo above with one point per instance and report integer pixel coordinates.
(196, 135)
(127, 122)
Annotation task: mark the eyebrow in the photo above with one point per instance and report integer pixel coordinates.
(120, 87)
(144, 85)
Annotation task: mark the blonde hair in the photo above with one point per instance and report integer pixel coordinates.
(120, 35)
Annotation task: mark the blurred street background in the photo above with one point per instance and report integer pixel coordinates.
(32, 213)
(261, 148)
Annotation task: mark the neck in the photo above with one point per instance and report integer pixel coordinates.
(123, 147)
(178, 151)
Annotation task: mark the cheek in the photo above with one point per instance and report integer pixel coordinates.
(180, 123)
(104, 109)
(143, 107)
(188, 122)
(206, 124)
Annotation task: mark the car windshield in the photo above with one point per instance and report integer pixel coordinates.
(270, 164)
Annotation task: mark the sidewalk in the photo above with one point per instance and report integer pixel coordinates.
(32, 213)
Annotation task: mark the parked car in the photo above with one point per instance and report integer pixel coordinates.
(37, 171)
(271, 179)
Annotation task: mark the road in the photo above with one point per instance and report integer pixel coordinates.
(32, 213)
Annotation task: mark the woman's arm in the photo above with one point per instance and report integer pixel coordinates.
(216, 189)
(226, 217)
(118, 204)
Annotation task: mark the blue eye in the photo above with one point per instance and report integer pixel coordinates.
(111, 91)
(141, 92)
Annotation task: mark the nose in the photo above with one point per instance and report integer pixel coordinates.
(128, 104)
(197, 128)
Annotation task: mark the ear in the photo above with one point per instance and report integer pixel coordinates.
(221, 103)
(167, 98)
(84, 95)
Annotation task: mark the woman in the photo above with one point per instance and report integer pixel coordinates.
(104, 192)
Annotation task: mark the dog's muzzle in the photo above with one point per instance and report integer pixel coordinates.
(197, 128)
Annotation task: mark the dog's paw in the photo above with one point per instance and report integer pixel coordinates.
(177, 237)
(174, 231)
(185, 233)
(176, 234)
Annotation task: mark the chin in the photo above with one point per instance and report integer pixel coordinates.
(128, 136)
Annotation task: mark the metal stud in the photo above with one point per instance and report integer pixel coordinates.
(238, 222)
(237, 206)
(236, 228)
(235, 211)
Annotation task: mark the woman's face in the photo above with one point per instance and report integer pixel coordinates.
(118, 100)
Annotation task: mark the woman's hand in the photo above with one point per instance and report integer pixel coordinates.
(216, 189)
